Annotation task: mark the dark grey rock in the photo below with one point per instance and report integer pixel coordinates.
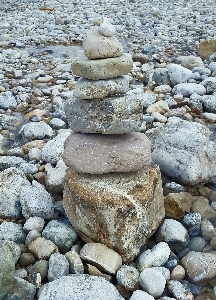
(21, 290)
(7, 270)
(192, 222)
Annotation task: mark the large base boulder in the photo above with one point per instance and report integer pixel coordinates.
(120, 210)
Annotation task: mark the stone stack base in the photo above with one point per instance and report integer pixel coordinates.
(120, 210)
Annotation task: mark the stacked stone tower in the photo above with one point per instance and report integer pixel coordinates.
(112, 194)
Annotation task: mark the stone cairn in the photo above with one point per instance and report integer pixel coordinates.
(112, 195)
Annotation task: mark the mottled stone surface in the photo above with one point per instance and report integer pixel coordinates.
(98, 89)
(200, 267)
(177, 204)
(97, 45)
(120, 210)
(110, 115)
(103, 68)
(207, 48)
(107, 153)
(79, 287)
(184, 151)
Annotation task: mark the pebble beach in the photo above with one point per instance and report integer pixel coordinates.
(173, 77)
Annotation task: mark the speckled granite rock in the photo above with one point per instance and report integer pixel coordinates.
(111, 115)
(98, 89)
(79, 287)
(96, 204)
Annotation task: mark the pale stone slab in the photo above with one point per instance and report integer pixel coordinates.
(98, 89)
(111, 115)
(104, 258)
(120, 210)
(97, 153)
(97, 45)
(103, 68)
(42, 248)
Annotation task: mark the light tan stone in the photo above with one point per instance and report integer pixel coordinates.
(120, 210)
(33, 144)
(92, 270)
(104, 258)
(97, 45)
(208, 193)
(159, 106)
(207, 48)
(178, 273)
(103, 68)
(177, 204)
(201, 206)
(42, 248)
(98, 154)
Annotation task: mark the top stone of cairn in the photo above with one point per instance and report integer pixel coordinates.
(100, 42)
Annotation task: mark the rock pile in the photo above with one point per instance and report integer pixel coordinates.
(112, 194)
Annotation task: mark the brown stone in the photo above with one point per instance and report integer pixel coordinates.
(120, 210)
(201, 206)
(200, 267)
(208, 193)
(177, 204)
(98, 154)
(206, 296)
(207, 48)
(33, 144)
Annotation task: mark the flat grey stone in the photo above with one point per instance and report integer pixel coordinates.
(187, 89)
(172, 232)
(58, 266)
(97, 154)
(210, 84)
(184, 151)
(14, 248)
(98, 89)
(53, 149)
(60, 234)
(156, 257)
(12, 232)
(7, 100)
(7, 270)
(152, 282)
(97, 45)
(36, 202)
(11, 182)
(178, 290)
(21, 289)
(103, 68)
(10, 161)
(84, 287)
(178, 73)
(208, 102)
(37, 130)
(112, 115)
